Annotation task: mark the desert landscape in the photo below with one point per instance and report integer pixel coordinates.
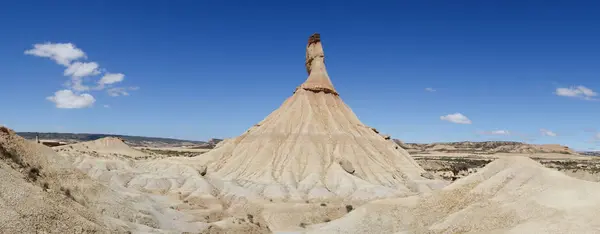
(311, 166)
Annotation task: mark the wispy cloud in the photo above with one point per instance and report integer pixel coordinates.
(430, 90)
(580, 92)
(68, 55)
(495, 132)
(597, 137)
(115, 92)
(546, 132)
(456, 118)
(66, 99)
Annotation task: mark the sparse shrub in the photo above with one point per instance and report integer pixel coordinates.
(456, 168)
(33, 174)
(349, 208)
(250, 218)
(323, 204)
(15, 158)
(68, 193)
(327, 220)
(303, 225)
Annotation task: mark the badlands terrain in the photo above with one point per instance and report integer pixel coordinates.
(311, 166)
(447, 160)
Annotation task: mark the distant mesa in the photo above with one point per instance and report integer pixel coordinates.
(487, 147)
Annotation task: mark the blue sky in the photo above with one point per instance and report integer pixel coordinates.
(202, 69)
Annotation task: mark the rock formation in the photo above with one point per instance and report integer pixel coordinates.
(294, 153)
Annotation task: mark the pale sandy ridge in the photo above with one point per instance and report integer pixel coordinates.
(104, 146)
(173, 195)
(510, 195)
(46, 193)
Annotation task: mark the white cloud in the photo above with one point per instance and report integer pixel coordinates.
(546, 132)
(430, 90)
(111, 78)
(456, 118)
(106, 106)
(577, 92)
(66, 99)
(68, 55)
(62, 53)
(79, 69)
(597, 136)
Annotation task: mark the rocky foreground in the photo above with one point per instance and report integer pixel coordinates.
(105, 187)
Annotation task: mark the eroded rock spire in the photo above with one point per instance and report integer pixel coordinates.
(318, 79)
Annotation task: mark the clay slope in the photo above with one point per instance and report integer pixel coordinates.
(510, 195)
(44, 192)
(31, 201)
(171, 195)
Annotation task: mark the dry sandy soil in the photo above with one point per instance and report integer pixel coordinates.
(117, 191)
